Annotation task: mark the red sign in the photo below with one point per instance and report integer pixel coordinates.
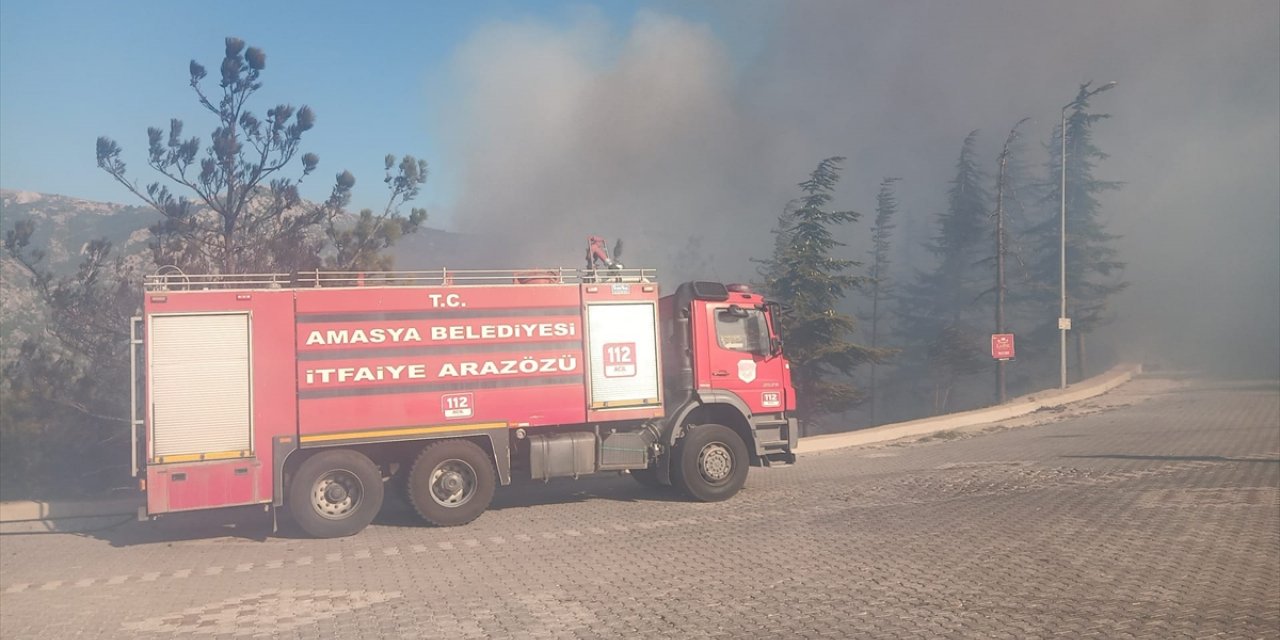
(1002, 346)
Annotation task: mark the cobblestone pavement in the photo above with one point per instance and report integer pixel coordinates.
(1159, 519)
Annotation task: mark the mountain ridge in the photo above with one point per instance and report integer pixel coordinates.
(64, 226)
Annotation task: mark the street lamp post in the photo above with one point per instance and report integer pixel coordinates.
(1064, 323)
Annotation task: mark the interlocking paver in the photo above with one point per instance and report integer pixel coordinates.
(1153, 520)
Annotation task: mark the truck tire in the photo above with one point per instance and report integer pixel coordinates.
(710, 464)
(452, 482)
(335, 493)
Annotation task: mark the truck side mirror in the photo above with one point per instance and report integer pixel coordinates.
(775, 317)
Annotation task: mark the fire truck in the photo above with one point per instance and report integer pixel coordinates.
(315, 392)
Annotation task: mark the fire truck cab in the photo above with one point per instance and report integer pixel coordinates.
(314, 392)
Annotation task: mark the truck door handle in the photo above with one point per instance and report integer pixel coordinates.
(720, 372)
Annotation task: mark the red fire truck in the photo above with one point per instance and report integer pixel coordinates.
(312, 392)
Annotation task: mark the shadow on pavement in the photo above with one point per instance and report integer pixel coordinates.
(526, 493)
(520, 494)
(1218, 385)
(1120, 456)
(251, 523)
(254, 523)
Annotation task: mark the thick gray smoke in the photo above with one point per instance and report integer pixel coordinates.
(565, 133)
(687, 141)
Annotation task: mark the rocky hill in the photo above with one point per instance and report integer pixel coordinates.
(64, 226)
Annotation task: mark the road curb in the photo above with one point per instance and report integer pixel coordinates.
(40, 511)
(1019, 406)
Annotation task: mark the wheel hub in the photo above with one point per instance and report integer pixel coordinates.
(715, 461)
(335, 492)
(453, 482)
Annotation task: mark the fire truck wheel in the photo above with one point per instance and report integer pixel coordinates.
(452, 482)
(711, 463)
(335, 493)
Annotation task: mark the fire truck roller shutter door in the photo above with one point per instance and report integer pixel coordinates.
(201, 378)
(623, 354)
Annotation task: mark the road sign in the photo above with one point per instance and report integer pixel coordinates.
(1002, 346)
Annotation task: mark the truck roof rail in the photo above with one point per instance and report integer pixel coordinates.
(433, 277)
(177, 281)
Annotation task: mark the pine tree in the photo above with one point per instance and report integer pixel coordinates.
(881, 284)
(236, 208)
(805, 277)
(364, 245)
(1093, 272)
(939, 313)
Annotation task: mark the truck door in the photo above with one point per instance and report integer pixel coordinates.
(738, 358)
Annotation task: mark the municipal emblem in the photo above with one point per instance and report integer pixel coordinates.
(747, 370)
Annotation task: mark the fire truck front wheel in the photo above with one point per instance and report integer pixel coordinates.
(335, 493)
(710, 464)
(452, 482)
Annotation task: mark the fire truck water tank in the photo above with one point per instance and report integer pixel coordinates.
(561, 454)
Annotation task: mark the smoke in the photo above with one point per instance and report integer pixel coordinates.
(687, 141)
(566, 133)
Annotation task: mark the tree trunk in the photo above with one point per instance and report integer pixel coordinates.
(1081, 369)
(228, 259)
(873, 387)
(940, 396)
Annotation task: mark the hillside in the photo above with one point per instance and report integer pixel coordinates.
(65, 225)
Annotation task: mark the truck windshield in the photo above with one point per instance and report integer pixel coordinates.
(746, 330)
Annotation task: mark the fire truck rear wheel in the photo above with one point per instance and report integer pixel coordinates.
(452, 482)
(711, 463)
(335, 493)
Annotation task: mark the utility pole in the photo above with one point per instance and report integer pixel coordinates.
(1064, 323)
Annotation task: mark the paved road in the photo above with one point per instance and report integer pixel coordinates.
(1160, 519)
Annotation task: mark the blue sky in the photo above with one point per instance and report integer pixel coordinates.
(376, 74)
